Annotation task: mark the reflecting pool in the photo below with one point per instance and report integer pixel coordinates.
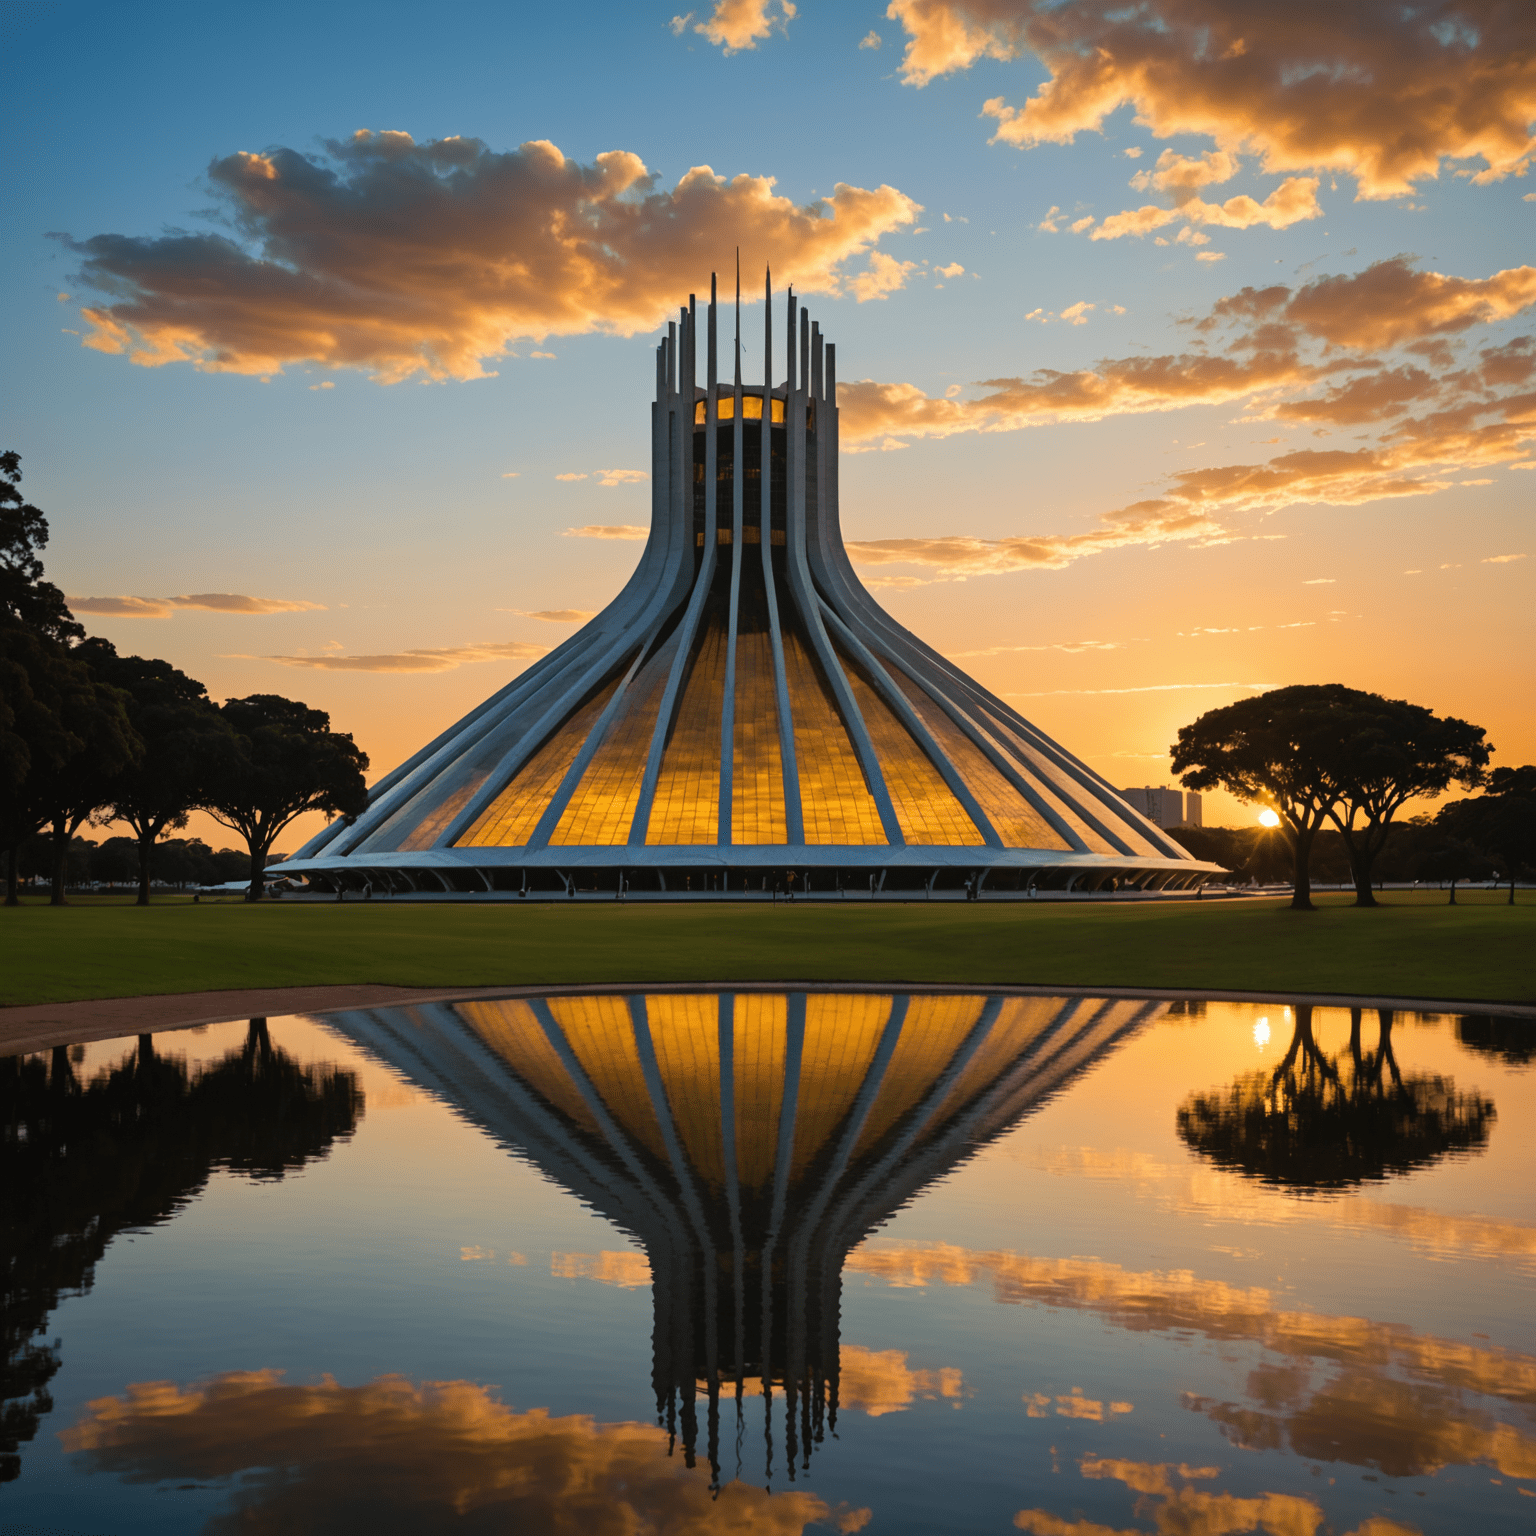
(775, 1263)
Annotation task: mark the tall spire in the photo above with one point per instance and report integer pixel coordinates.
(711, 377)
(738, 317)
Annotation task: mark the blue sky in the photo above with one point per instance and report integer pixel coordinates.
(424, 514)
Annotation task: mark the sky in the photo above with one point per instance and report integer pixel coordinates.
(1185, 349)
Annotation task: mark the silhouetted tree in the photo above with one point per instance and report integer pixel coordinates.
(288, 761)
(186, 743)
(1310, 1125)
(1501, 1036)
(1452, 859)
(1501, 822)
(125, 1151)
(1275, 749)
(1386, 753)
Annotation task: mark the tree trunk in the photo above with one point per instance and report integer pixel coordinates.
(1511, 890)
(12, 894)
(1364, 895)
(1301, 892)
(1452, 901)
(60, 861)
(258, 871)
(146, 851)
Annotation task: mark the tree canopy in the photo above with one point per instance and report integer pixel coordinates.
(287, 761)
(1501, 823)
(1319, 753)
(1321, 1122)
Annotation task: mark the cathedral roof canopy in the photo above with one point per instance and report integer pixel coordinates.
(743, 712)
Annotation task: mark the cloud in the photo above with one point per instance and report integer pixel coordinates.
(1502, 559)
(1077, 314)
(607, 531)
(1369, 90)
(883, 277)
(1294, 200)
(554, 615)
(622, 476)
(872, 39)
(444, 659)
(735, 25)
(624, 1267)
(880, 1381)
(164, 607)
(1075, 1406)
(954, 269)
(578, 476)
(512, 474)
(423, 1456)
(405, 259)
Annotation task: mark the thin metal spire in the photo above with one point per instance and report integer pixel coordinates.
(789, 347)
(712, 376)
(738, 318)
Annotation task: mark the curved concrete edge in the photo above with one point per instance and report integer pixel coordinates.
(42, 1026)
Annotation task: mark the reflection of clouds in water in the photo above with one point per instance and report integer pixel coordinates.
(1073, 1406)
(1363, 1415)
(395, 1456)
(1182, 1510)
(876, 1382)
(622, 1267)
(1214, 1194)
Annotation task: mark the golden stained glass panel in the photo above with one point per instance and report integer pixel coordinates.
(601, 1034)
(1018, 823)
(513, 1031)
(686, 807)
(925, 805)
(508, 821)
(602, 809)
(835, 802)
(757, 771)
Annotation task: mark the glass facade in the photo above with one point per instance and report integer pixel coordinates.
(751, 408)
(835, 802)
(686, 807)
(1017, 822)
(757, 762)
(509, 820)
(602, 808)
(926, 807)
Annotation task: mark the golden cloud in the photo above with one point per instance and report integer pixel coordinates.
(607, 531)
(736, 25)
(1292, 201)
(624, 1267)
(164, 607)
(407, 259)
(311, 1460)
(881, 1381)
(444, 659)
(1367, 89)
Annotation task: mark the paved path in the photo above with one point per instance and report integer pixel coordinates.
(41, 1026)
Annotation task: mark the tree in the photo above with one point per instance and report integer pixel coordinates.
(1313, 1124)
(1388, 752)
(1274, 749)
(1501, 822)
(287, 761)
(185, 740)
(37, 675)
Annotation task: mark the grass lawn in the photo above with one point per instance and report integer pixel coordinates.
(1415, 945)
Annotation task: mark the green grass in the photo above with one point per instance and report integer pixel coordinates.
(1413, 946)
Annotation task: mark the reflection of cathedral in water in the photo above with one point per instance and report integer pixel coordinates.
(749, 1141)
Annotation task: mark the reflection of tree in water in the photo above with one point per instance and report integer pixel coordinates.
(86, 1161)
(1320, 1122)
(1506, 1039)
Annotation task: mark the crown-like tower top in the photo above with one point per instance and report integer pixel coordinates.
(744, 716)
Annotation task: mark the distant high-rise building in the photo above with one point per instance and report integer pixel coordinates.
(744, 716)
(1164, 807)
(1193, 815)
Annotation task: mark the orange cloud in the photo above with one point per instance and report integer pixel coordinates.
(735, 25)
(881, 1381)
(607, 531)
(1293, 200)
(406, 259)
(624, 1267)
(164, 607)
(1366, 89)
(442, 660)
(299, 1459)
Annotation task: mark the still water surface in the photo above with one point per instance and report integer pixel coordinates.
(776, 1263)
